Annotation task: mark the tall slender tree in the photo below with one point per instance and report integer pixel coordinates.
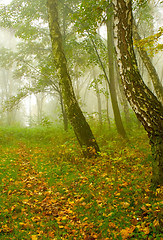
(112, 76)
(75, 115)
(146, 106)
(149, 65)
(90, 26)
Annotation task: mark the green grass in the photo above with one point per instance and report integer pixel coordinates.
(49, 191)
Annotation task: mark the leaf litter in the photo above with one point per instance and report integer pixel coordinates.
(52, 192)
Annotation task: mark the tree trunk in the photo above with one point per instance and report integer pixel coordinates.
(107, 107)
(149, 66)
(148, 109)
(75, 115)
(113, 94)
(98, 103)
(98, 98)
(123, 98)
(39, 99)
(125, 105)
(64, 114)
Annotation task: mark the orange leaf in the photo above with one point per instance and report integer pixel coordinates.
(112, 225)
(126, 232)
(156, 223)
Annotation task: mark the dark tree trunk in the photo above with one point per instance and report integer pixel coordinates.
(149, 66)
(146, 106)
(75, 115)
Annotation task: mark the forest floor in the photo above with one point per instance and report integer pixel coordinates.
(49, 191)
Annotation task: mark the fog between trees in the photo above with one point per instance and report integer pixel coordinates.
(87, 76)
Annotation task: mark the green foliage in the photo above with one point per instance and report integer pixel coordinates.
(33, 61)
(43, 122)
(51, 192)
(90, 15)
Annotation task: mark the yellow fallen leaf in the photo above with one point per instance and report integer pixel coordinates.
(60, 226)
(69, 211)
(146, 230)
(81, 199)
(25, 201)
(21, 223)
(156, 223)
(125, 204)
(34, 237)
(70, 202)
(148, 204)
(13, 207)
(126, 232)
(117, 194)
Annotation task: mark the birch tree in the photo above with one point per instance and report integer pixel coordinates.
(146, 106)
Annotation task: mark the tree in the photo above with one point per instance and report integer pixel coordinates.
(148, 64)
(75, 115)
(88, 22)
(111, 60)
(33, 58)
(146, 106)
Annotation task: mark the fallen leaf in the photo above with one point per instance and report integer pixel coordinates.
(34, 237)
(144, 208)
(146, 230)
(112, 225)
(61, 226)
(156, 223)
(125, 204)
(126, 232)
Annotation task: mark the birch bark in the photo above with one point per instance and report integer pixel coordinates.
(146, 106)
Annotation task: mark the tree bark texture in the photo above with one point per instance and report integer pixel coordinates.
(113, 94)
(148, 109)
(75, 115)
(149, 66)
(125, 105)
(64, 114)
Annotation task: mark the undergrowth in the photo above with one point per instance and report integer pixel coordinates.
(50, 191)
